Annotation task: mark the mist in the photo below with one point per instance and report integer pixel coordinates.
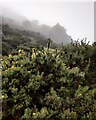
(76, 17)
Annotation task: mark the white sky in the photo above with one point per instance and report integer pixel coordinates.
(76, 17)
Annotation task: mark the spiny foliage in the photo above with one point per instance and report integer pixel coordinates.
(50, 84)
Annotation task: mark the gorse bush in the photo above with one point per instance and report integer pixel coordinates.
(50, 84)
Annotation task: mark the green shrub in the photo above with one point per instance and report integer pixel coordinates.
(49, 85)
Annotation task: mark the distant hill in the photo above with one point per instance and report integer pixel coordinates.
(57, 32)
(13, 39)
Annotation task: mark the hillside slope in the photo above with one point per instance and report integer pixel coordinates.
(13, 39)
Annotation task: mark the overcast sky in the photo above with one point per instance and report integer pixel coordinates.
(76, 17)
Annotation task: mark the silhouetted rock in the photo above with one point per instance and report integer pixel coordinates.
(58, 34)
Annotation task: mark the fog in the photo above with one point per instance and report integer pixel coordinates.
(76, 17)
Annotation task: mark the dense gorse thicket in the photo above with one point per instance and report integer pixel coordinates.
(50, 84)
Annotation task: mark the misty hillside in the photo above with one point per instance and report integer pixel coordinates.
(57, 32)
(13, 39)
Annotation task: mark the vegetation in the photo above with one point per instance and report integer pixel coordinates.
(14, 39)
(50, 84)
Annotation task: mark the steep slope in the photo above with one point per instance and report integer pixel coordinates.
(58, 34)
(13, 39)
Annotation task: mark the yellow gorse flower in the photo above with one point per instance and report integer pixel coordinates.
(6, 62)
(45, 52)
(33, 53)
(34, 113)
(13, 62)
(2, 96)
(33, 49)
(19, 51)
(39, 52)
(10, 56)
(13, 67)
